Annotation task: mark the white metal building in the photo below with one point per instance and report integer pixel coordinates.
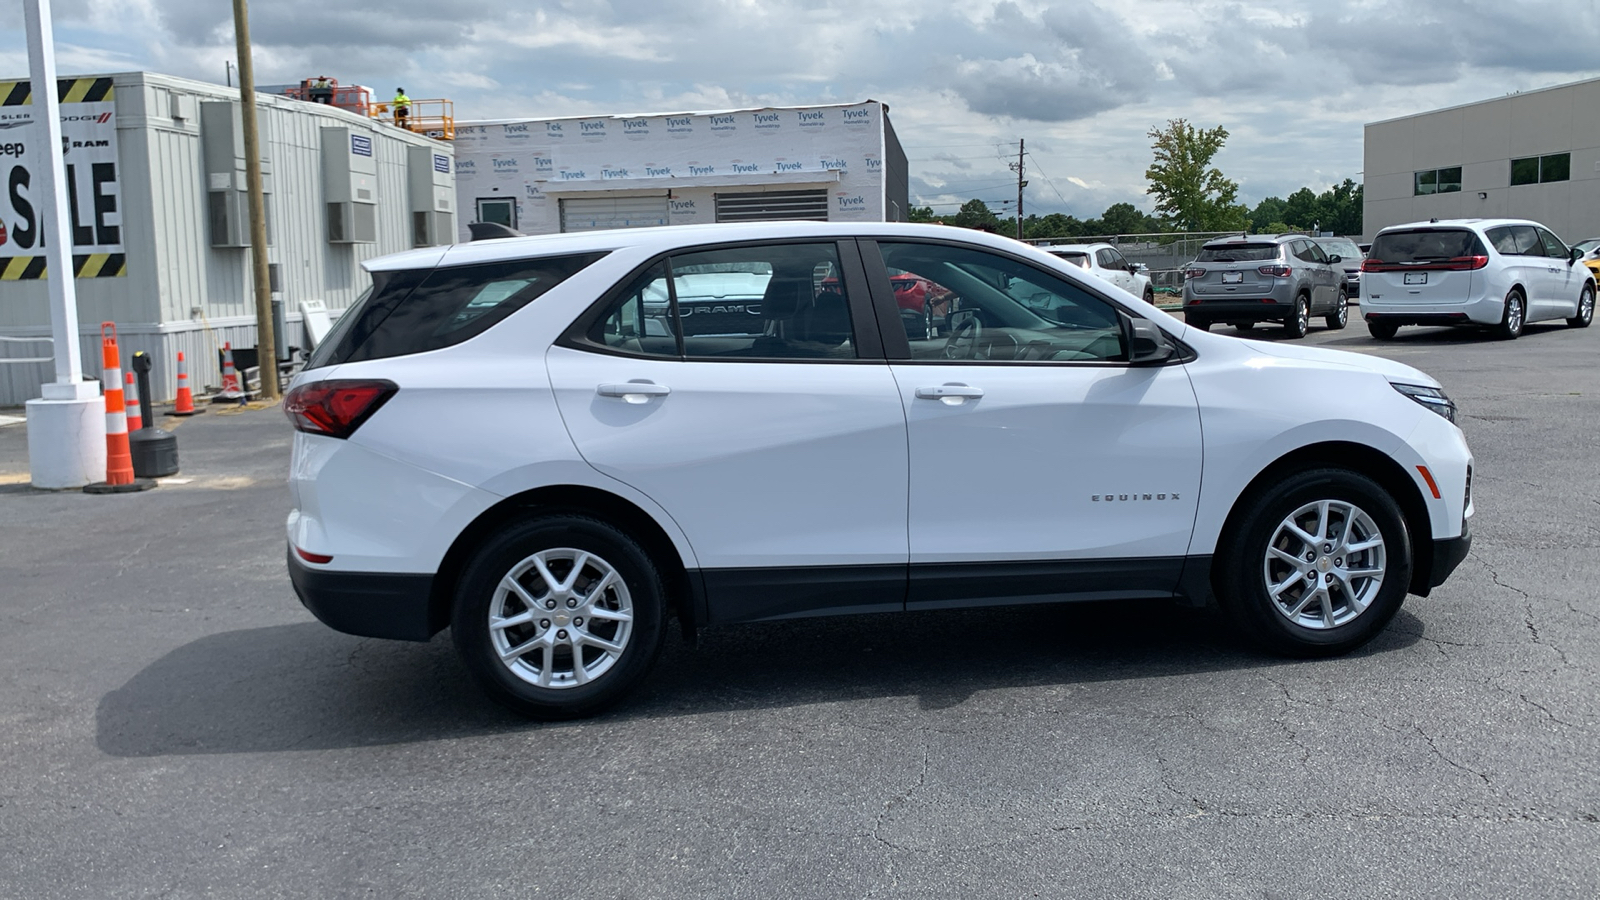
(1533, 155)
(155, 168)
(838, 162)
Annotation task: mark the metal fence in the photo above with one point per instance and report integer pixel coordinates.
(1165, 253)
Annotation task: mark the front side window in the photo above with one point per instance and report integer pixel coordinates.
(1004, 310)
(1552, 245)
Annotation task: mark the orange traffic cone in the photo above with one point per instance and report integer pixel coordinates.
(185, 404)
(119, 458)
(130, 396)
(231, 391)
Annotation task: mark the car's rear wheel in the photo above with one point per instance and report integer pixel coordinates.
(1300, 322)
(558, 616)
(1383, 331)
(1340, 317)
(1511, 320)
(1197, 322)
(1244, 326)
(1319, 564)
(1149, 295)
(1585, 308)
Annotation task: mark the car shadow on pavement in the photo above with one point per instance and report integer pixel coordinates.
(304, 687)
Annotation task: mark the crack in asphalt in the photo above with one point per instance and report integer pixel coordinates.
(1527, 617)
(888, 807)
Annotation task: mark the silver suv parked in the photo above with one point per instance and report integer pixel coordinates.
(1264, 278)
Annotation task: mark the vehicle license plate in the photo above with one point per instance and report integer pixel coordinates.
(1416, 278)
(1232, 277)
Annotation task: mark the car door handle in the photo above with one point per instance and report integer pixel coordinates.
(634, 391)
(951, 394)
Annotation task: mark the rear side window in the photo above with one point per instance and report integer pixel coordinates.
(1424, 245)
(1238, 253)
(413, 312)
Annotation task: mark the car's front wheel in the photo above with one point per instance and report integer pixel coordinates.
(1585, 309)
(1149, 295)
(1319, 564)
(558, 616)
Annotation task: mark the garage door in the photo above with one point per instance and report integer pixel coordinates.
(774, 206)
(593, 213)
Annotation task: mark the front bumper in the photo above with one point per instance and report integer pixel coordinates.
(1447, 554)
(369, 604)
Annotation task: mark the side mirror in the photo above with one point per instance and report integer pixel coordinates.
(1335, 258)
(1574, 255)
(1147, 344)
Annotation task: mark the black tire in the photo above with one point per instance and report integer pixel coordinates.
(1514, 317)
(500, 556)
(1244, 326)
(1585, 308)
(1300, 322)
(1383, 331)
(1149, 295)
(1340, 317)
(1243, 565)
(1197, 322)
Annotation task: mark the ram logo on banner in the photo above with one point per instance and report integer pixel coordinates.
(89, 148)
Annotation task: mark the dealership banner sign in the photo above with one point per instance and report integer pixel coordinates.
(89, 149)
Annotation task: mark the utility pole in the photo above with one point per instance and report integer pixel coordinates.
(1022, 144)
(266, 352)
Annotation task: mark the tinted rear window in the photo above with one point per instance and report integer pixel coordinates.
(412, 312)
(1424, 245)
(1077, 259)
(1238, 253)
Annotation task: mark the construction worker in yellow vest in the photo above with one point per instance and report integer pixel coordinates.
(402, 108)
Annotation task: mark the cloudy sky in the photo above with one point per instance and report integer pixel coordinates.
(1082, 81)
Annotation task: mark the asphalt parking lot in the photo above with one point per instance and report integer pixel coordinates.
(174, 724)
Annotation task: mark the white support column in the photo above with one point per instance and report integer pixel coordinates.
(65, 449)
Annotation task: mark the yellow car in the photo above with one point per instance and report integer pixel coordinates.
(1591, 255)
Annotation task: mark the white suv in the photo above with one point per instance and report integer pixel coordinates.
(1107, 262)
(516, 439)
(1502, 273)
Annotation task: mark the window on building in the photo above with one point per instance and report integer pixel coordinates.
(1540, 169)
(1438, 181)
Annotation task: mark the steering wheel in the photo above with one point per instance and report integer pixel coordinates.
(963, 340)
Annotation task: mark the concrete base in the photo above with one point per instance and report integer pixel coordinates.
(66, 442)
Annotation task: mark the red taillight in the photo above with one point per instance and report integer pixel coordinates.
(1274, 271)
(1453, 264)
(1371, 265)
(1468, 263)
(337, 407)
(317, 558)
(1193, 272)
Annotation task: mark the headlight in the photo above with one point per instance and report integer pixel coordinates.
(1430, 398)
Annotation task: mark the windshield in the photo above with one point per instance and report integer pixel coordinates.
(1238, 253)
(1589, 246)
(1344, 249)
(1424, 245)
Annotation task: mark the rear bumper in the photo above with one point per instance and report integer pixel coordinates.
(368, 604)
(1397, 318)
(1257, 309)
(1475, 311)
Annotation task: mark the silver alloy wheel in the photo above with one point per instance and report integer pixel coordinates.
(1586, 306)
(1514, 314)
(1342, 313)
(1325, 564)
(560, 618)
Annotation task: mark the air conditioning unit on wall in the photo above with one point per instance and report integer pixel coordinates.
(350, 184)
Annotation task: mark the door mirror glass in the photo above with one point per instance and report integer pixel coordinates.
(1335, 258)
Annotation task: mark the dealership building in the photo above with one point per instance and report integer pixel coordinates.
(1531, 155)
(159, 218)
(839, 162)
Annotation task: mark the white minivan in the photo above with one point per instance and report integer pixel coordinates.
(519, 440)
(1500, 273)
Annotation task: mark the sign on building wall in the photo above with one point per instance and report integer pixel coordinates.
(89, 149)
(682, 154)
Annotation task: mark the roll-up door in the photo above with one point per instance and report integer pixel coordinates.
(774, 206)
(594, 213)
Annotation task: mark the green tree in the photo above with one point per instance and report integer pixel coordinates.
(922, 214)
(1302, 210)
(1055, 225)
(1275, 228)
(1341, 208)
(1191, 194)
(1266, 212)
(976, 214)
(1125, 218)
